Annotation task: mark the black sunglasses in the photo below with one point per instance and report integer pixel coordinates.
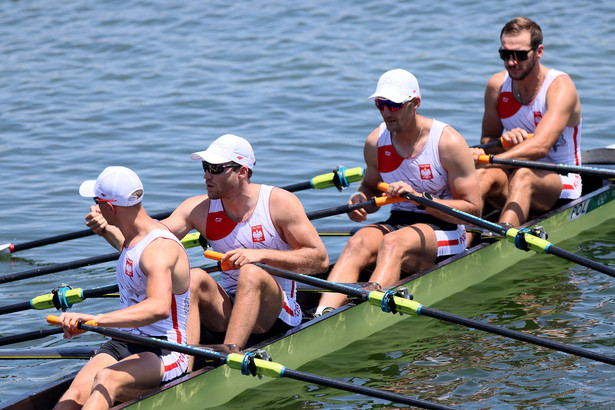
(215, 169)
(517, 55)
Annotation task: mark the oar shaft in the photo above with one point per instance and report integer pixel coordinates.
(23, 337)
(559, 168)
(263, 367)
(65, 237)
(47, 354)
(11, 277)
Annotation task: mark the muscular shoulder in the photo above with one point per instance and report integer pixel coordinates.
(496, 81)
(192, 204)
(453, 147)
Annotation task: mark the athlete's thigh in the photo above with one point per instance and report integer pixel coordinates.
(546, 189)
(418, 241)
(137, 373)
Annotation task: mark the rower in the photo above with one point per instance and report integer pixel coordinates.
(528, 98)
(416, 155)
(153, 275)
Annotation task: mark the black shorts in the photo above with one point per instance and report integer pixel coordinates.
(120, 349)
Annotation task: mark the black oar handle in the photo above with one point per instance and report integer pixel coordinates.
(11, 277)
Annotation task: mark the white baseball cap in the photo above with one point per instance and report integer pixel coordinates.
(398, 86)
(227, 148)
(118, 185)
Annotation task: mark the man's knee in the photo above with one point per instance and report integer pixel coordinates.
(73, 398)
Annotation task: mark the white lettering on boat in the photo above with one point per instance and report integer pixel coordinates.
(578, 210)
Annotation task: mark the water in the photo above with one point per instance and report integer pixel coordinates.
(143, 84)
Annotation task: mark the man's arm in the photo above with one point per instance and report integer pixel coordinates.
(190, 214)
(158, 261)
(308, 254)
(368, 187)
(98, 224)
(463, 182)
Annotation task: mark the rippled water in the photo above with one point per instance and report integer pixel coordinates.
(143, 84)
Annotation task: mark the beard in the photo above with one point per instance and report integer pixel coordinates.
(520, 76)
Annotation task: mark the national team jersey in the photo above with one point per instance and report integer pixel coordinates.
(257, 232)
(424, 172)
(132, 283)
(566, 150)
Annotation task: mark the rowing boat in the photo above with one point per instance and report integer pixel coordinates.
(214, 386)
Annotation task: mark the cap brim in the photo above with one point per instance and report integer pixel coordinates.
(87, 189)
(210, 157)
(396, 98)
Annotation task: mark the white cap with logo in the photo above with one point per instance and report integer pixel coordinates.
(398, 86)
(119, 185)
(227, 148)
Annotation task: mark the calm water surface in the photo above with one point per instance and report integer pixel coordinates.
(143, 84)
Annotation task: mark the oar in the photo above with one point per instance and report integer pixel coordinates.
(251, 363)
(339, 178)
(190, 240)
(48, 354)
(62, 298)
(500, 142)
(559, 168)
(390, 303)
(522, 238)
(27, 336)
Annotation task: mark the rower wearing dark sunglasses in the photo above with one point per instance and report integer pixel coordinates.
(536, 113)
(416, 155)
(249, 223)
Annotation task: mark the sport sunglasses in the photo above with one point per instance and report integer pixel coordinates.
(215, 169)
(517, 55)
(392, 106)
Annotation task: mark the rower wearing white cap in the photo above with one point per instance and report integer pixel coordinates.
(249, 223)
(416, 155)
(153, 275)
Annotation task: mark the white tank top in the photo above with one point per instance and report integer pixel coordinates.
(567, 149)
(424, 172)
(257, 232)
(132, 283)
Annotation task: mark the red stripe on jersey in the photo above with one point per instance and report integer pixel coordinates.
(388, 159)
(507, 105)
(219, 225)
